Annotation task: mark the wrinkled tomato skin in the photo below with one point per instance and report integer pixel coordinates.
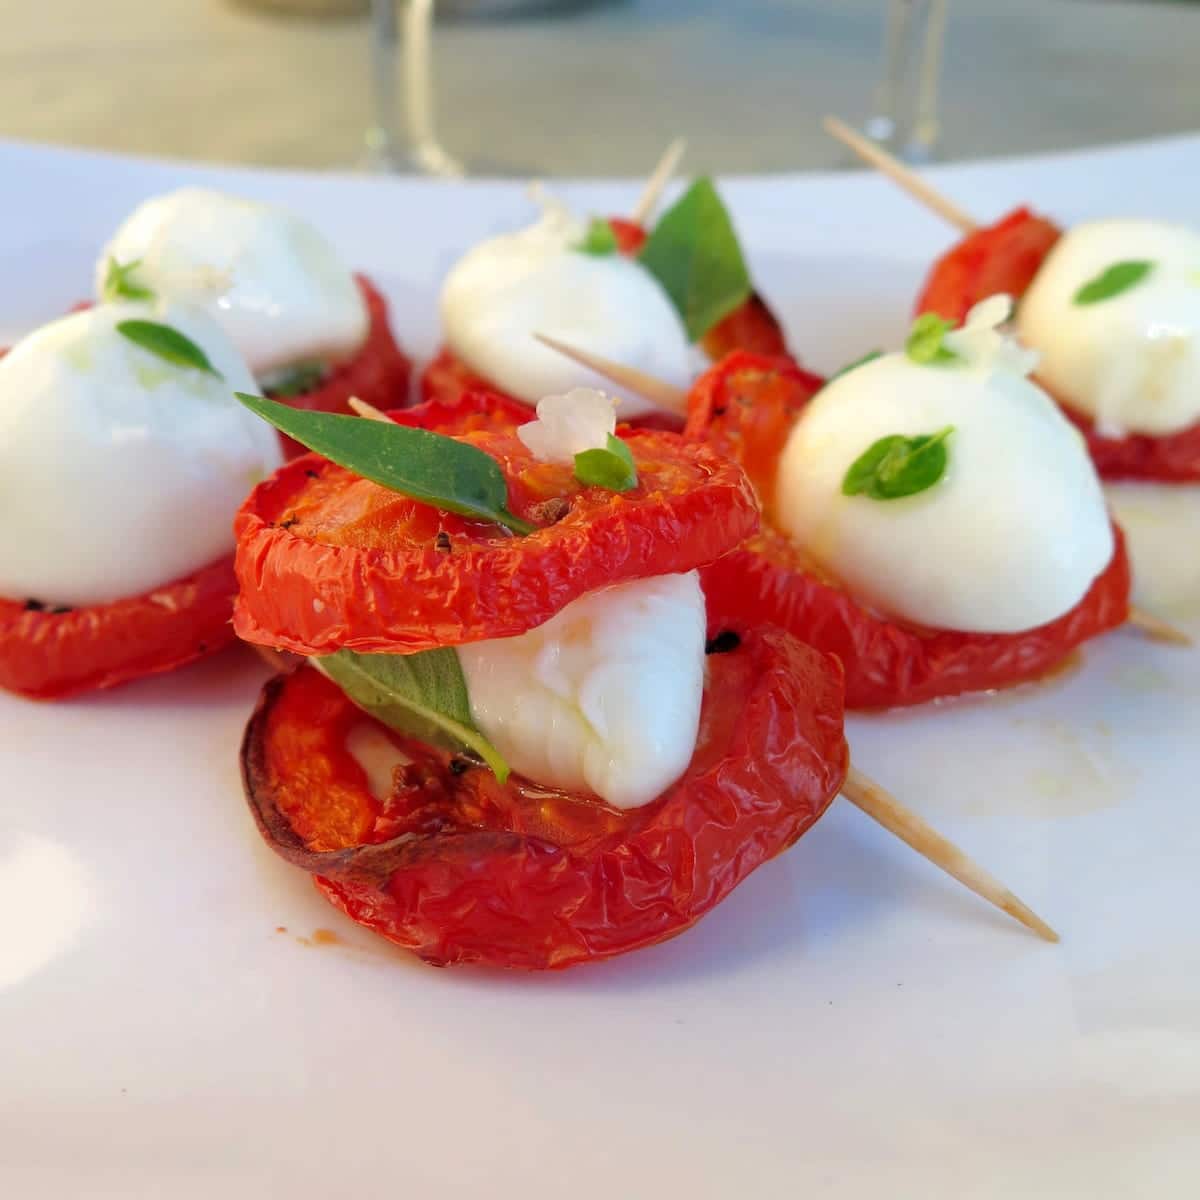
(328, 561)
(459, 869)
(380, 373)
(1003, 257)
(889, 665)
(47, 655)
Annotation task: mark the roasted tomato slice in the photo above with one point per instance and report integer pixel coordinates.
(1003, 257)
(459, 869)
(327, 560)
(888, 664)
(379, 373)
(48, 654)
(745, 407)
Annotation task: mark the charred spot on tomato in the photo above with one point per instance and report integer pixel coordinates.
(34, 606)
(549, 512)
(441, 543)
(51, 610)
(312, 474)
(724, 643)
(288, 522)
(460, 766)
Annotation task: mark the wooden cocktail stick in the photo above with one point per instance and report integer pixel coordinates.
(880, 805)
(363, 409)
(666, 396)
(899, 174)
(647, 203)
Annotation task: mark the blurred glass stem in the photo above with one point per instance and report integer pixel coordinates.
(402, 137)
(906, 117)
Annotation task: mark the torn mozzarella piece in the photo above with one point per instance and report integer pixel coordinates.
(604, 698)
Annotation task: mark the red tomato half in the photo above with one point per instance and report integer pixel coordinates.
(745, 407)
(889, 664)
(459, 869)
(1003, 257)
(47, 654)
(379, 373)
(327, 560)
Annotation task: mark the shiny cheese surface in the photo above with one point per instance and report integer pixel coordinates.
(604, 698)
(270, 279)
(120, 471)
(1009, 538)
(509, 288)
(1131, 362)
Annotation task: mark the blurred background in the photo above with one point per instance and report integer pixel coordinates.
(596, 87)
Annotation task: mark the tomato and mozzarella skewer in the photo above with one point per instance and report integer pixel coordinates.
(1112, 307)
(605, 286)
(723, 621)
(311, 332)
(878, 578)
(123, 457)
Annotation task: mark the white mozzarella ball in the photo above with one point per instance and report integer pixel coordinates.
(1011, 537)
(275, 284)
(119, 470)
(511, 287)
(1132, 361)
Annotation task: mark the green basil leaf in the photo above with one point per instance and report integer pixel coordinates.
(422, 695)
(898, 466)
(120, 285)
(694, 253)
(599, 240)
(611, 467)
(1113, 280)
(870, 356)
(296, 380)
(924, 343)
(440, 471)
(167, 343)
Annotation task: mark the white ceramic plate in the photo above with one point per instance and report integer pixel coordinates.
(181, 1015)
